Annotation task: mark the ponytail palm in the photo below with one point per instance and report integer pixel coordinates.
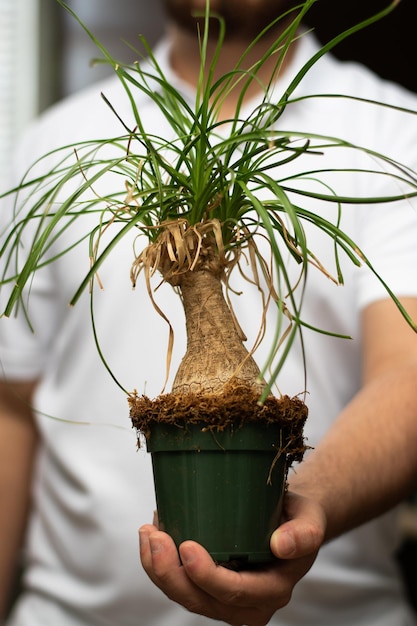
(208, 203)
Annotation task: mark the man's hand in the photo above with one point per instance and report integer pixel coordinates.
(246, 597)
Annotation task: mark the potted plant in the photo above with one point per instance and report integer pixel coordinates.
(206, 202)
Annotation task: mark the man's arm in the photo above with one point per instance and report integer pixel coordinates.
(368, 457)
(365, 465)
(18, 440)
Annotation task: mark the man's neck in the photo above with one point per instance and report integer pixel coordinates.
(185, 60)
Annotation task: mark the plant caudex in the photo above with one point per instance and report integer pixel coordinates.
(204, 198)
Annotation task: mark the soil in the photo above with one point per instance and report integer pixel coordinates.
(235, 405)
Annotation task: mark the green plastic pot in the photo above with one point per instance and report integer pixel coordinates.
(221, 489)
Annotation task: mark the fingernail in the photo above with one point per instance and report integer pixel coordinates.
(285, 544)
(155, 545)
(187, 554)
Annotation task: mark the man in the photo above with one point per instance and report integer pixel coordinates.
(78, 480)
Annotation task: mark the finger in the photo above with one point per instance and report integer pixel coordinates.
(158, 553)
(160, 560)
(304, 531)
(159, 557)
(145, 548)
(230, 588)
(241, 601)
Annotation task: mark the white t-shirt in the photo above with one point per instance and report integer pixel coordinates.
(92, 488)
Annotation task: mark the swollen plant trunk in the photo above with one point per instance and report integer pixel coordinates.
(215, 354)
(217, 384)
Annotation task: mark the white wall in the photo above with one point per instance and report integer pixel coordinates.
(19, 73)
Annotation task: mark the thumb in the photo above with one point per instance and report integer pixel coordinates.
(304, 531)
(283, 544)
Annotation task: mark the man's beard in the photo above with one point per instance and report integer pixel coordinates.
(242, 19)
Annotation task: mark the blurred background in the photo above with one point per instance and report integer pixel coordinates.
(388, 47)
(45, 55)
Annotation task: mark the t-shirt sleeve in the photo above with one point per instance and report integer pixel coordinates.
(389, 236)
(25, 336)
(387, 231)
